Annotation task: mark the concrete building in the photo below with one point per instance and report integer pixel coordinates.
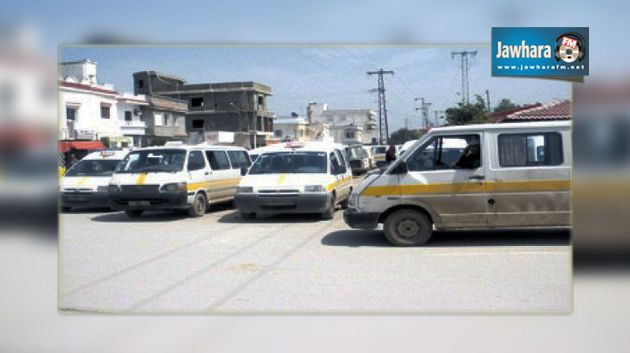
(239, 107)
(165, 120)
(345, 125)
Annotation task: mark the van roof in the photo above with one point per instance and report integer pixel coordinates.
(192, 147)
(504, 126)
(301, 146)
(106, 154)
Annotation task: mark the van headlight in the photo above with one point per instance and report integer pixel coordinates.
(244, 189)
(113, 188)
(173, 187)
(313, 188)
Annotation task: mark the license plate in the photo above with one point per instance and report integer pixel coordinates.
(77, 198)
(139, 203)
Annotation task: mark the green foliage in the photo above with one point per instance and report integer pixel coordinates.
(471, 113)
(403, 135)
(505, 104)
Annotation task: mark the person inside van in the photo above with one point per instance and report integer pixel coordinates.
(390, 155)
(471, 156)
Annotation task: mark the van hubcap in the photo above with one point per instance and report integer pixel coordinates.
(408, 228)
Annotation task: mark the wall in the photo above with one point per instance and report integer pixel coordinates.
(89, 112)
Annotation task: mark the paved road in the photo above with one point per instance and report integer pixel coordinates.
(171, 263)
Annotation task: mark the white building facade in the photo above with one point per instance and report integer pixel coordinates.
(345, 125)
(130, 117)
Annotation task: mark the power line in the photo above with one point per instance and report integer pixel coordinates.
(464, 68)
(382, 104)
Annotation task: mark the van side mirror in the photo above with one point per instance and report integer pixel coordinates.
(400, 168)
(243, 171)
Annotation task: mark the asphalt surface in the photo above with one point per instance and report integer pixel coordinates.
(168, 263)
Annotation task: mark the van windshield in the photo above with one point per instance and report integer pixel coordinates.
(289, 162)
(167, 160)
(104, 167)
(354, 152)
(380, 150)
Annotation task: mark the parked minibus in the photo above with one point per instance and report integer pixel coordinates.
(177, 177)
(311, 177)
(511, 175)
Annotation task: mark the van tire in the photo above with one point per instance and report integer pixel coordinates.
(133, 213)
(199, 206)
(408, 227)
(330, 211)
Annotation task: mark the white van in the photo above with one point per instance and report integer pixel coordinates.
(358, 159)
(311, 177)
(86, 183)
(470, 177)
(177, 177)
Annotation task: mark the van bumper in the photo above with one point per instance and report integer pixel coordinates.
(302, 203)
(360, 220)
(123, 201)
(84, 199)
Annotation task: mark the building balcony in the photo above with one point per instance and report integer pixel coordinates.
(133, 123)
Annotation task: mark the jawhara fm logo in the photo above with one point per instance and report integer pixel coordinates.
(570, 48)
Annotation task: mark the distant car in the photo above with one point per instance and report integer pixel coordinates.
(86, 183)
(359, 160)
(379, 155)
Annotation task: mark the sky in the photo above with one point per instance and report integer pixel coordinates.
(331, 74)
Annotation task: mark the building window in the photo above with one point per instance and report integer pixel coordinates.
(71, 113)
(349, 134)
(159, 119)
(105, 111)
(520, 150)
(140, 84)
(127, 115)
(198, 123)
(277, 133)
(196, 102)
(167, 117)
(261, 100)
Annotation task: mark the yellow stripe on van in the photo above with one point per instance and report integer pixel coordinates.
(142, 177)
(337, 183)
(82, 181)
(212, 184)
(281, 179)
(470, 187)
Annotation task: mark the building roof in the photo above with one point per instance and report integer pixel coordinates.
(513, 125)
(558, 110)
(160, 74)
(499, 116)
(85, 87)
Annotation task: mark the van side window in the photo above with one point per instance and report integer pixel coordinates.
(342, 161)
(196, 160)
(447, 152)
(239, 159)
(335, 168)
(537, 149)
(218, 160)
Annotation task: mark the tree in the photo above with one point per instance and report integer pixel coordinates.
(505, 104)
(403, 135)
(468, 113)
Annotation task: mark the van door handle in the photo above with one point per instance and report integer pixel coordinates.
(207, 173)
(476, 177)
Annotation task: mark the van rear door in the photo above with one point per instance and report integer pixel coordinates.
(531, 172)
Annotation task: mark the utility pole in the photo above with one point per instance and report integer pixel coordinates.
(464, 67)
(382, 104)
(488, 101)
(424, 108)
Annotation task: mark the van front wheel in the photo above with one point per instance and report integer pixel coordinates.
(199, 206)
(408, 227)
